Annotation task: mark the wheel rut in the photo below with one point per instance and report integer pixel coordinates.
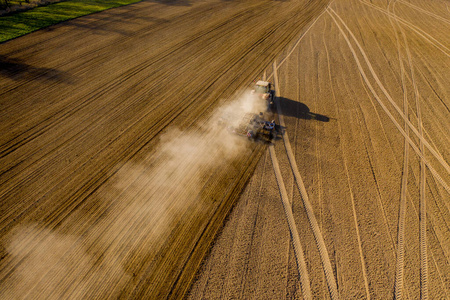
(329, 274)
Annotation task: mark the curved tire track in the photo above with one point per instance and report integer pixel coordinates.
(413, 145)
(416, 29)
(424, 11)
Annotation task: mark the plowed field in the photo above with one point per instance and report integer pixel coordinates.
(116, 179)
(364, 96)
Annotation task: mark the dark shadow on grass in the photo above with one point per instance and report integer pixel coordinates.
(112, 21)
(24, 6)
(299, 110)
(19, 70)
(174, 2)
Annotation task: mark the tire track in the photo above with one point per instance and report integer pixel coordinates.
(423, 234)
(301, 264)
(379, 83)
(399, 272)
(422, 183)
(317, 153)
(319, 171)
(438, 240)
(422, 180)
(288, 248)
(434, 152)
(331, 281)
(423, 243)
(435, 236)
(298, 249)
(416, 149)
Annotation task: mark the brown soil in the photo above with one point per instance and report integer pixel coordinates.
(115, 179)
(346, 90)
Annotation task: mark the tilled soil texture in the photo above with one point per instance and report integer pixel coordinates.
(114, 176)
(364, 97)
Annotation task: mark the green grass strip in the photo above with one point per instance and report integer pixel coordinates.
(21, 23)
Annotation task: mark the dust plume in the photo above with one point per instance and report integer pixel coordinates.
(54, 265)
(145, 200)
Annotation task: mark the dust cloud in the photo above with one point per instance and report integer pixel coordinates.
(53, 265)
(146, 199)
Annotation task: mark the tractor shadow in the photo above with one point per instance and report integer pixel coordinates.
(291, 108)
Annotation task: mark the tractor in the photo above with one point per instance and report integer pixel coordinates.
(263, 89)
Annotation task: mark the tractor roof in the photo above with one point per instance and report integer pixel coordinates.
(262, 83)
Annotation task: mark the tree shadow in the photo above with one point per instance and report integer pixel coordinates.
(115, 21)
(174, 2)
(17, 70)
(299, 110)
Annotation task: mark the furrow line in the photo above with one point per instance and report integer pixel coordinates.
(260, 194)
(299, 39)
(434, 90)
(236, 23)
(172, 47)
(191, 99)
(185, 107)
(148, 134)
(140, 142)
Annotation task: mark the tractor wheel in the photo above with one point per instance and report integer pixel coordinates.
(273, 134)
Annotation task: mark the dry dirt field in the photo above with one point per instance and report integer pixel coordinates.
(117, 181)
(365, 206)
